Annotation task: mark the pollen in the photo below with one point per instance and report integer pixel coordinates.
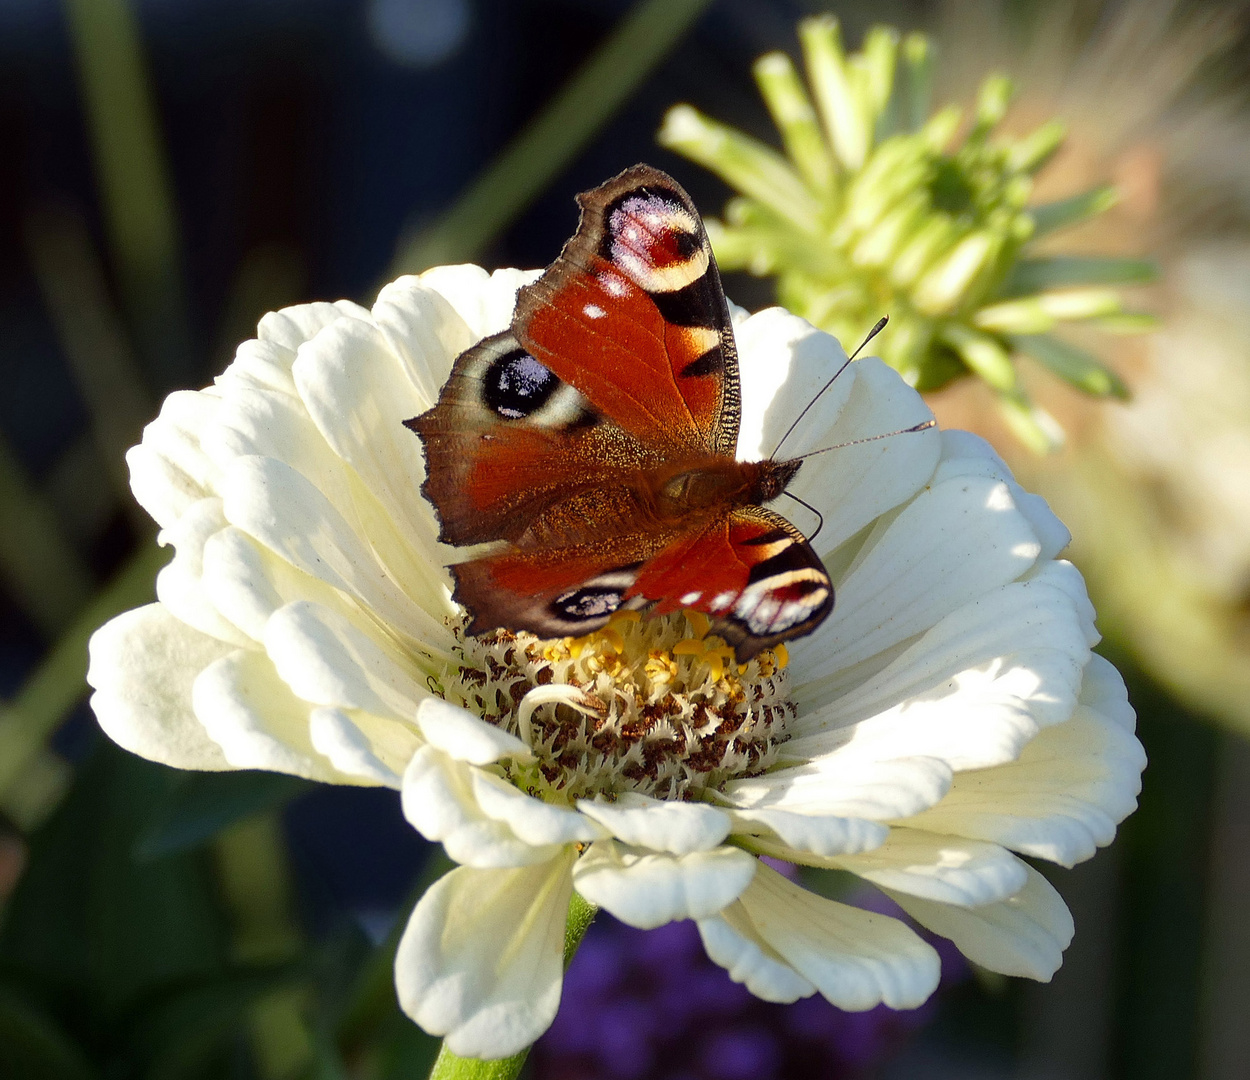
(657, 706)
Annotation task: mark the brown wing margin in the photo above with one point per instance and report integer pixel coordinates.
(634, 316)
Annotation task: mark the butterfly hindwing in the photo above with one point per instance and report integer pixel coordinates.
(633, 315)
(751, 571)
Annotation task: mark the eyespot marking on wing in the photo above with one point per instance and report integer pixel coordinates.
(655, 240)
(515, 386)
(782, 601)
(593, 602)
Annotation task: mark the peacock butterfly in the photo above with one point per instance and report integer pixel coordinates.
(593, 443)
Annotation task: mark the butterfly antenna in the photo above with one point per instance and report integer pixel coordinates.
(820, 518)
(871, 334)
(871, 438)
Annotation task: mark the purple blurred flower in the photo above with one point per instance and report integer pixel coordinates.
(650, 1006)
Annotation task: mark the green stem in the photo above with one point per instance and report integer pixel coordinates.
(449, 1066)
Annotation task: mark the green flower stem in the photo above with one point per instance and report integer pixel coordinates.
(449, 1066)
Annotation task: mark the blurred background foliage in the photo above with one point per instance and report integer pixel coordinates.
(174, 168)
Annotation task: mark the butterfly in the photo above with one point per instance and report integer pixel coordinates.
(592, 444)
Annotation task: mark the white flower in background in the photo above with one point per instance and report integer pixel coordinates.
(948, 715)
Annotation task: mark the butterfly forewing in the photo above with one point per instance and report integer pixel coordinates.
(507, 439)
(633, 315)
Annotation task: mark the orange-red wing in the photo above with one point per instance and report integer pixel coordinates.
(633, 316)
(751, 571)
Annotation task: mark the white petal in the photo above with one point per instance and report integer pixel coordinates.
(349, 749)
(1024, 935)
(970, 455)
(248, 583)
(440, 803)
(291, 326)
(256, 720)
(169, 471)
(180, 585)
(531, 819)
(259, 365)
(676, 827)
(948, 869)
(329, 660)
(647, 890)
(855, 958)
(284, 511)
(1103, 690)
(484, 301)
(953, 543)
(731, 941)
(972, 691)
(854, 485)
(143, 664)
(784, 361)
(811, 834)
(425, 332)
(481, 961)
(1060, 801)
(358, 395)
(877, 787)
(466, 737)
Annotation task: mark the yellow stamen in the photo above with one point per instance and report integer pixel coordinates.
(689, 647)
(716, 666)
(699, 622)
(782, 654)
(628, 615)
(723, 651)
(576, 646)
(613, 638)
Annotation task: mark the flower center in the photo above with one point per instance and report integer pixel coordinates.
(653, 706)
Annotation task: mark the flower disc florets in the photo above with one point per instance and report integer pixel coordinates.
(652, 706)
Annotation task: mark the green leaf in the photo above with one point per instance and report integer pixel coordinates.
(842, 108)
(1031, 424)
(743, 162)
(795, 117)
(1050, 217)
(34, 1047)
(200, 805)
(1071, 364)
(983, 354)
(88, 922)
(185, 1033)
(1031, 275)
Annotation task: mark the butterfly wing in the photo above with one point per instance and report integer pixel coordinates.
(507, 439)
(632, 314)
(750, 571)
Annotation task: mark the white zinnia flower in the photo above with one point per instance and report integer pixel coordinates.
(948, 715)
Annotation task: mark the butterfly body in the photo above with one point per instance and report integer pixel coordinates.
(593, 444)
